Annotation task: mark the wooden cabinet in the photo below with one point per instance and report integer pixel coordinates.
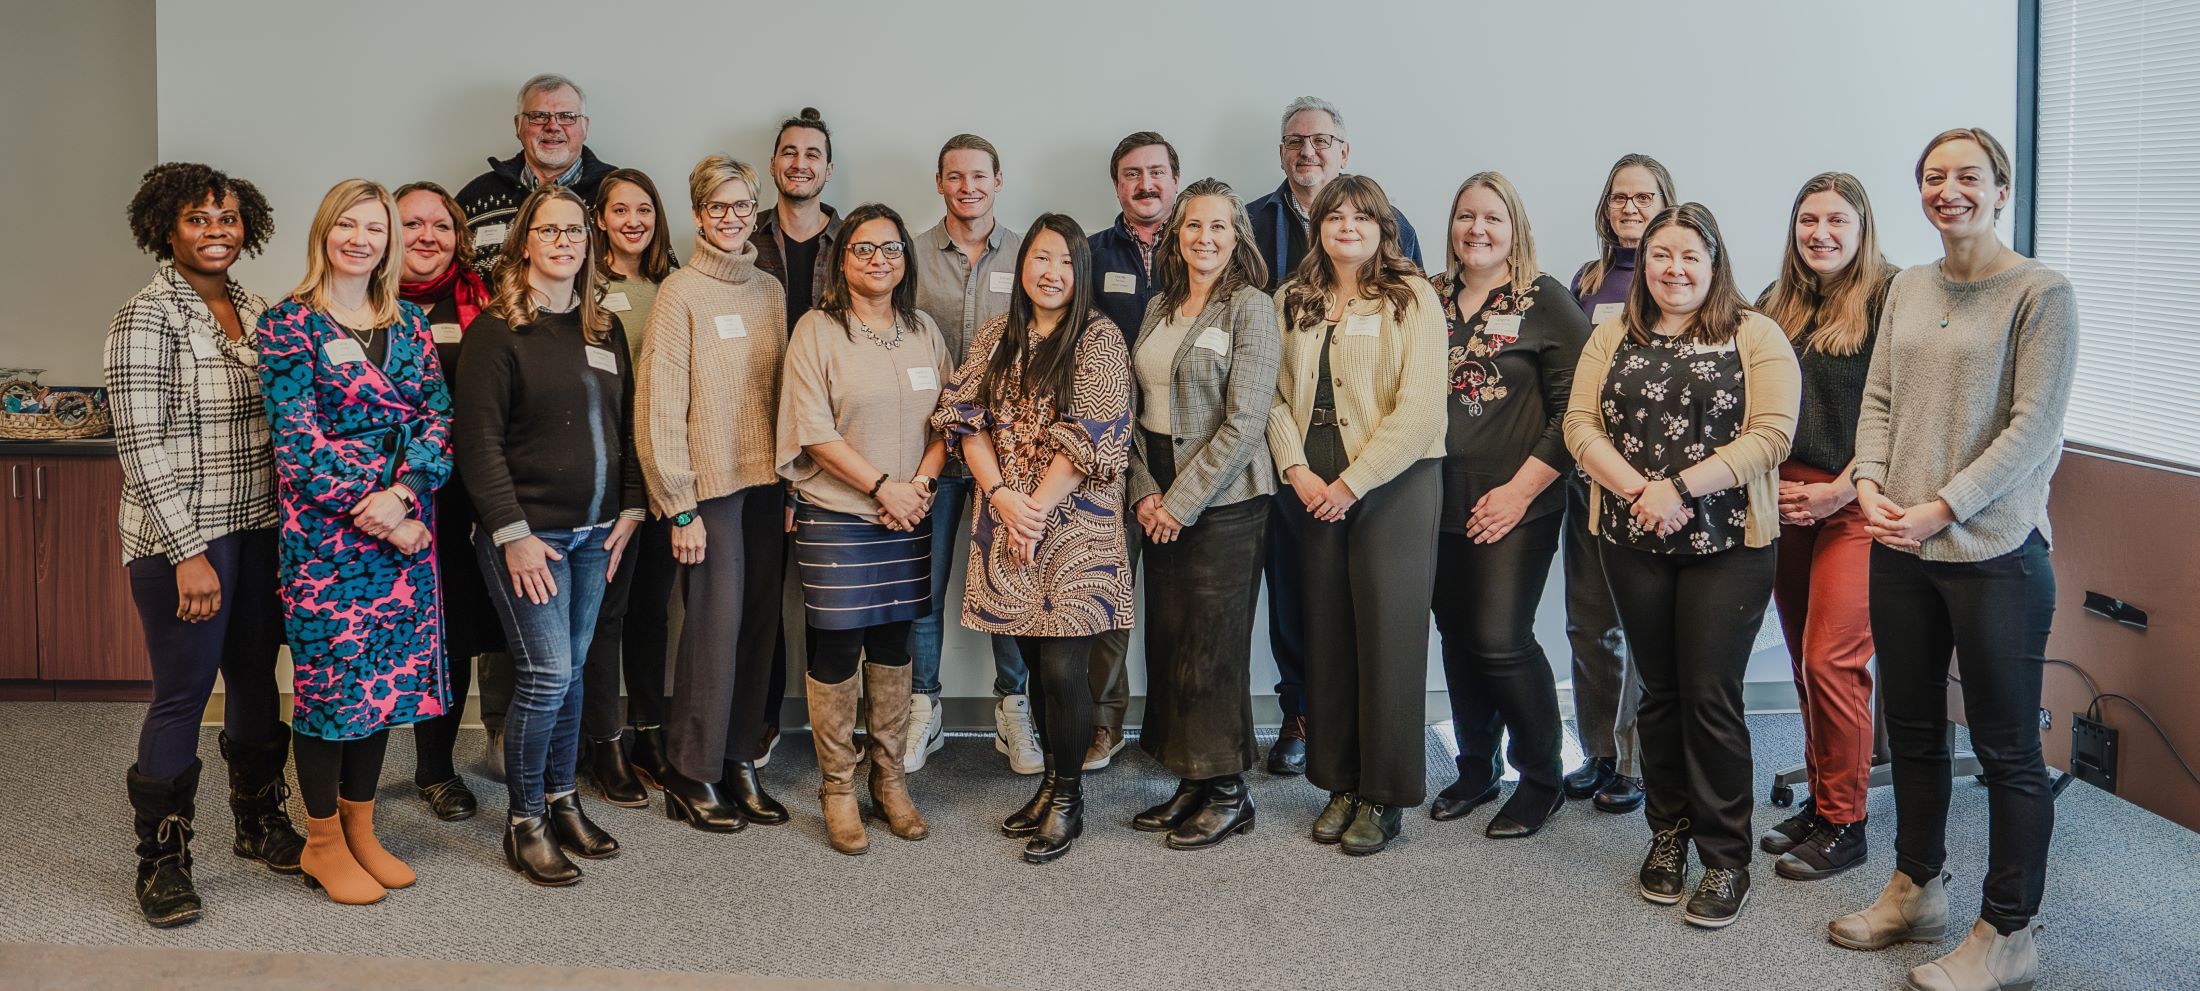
(18, 570)
(66, 614)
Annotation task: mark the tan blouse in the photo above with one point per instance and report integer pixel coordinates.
(842, 384)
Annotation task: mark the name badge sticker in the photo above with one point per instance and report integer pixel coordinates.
(1363, 325)
(1213, 339)
(490, 235)
(1119, 282)
(924, 378)
(343, 351)
(601, 358)
(730, 326)
(1607, 311)
(1503, 328)
(1001, 281)
(616, 302)
(446, 333)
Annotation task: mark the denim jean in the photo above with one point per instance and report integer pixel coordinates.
(549, 647)
(926, 633)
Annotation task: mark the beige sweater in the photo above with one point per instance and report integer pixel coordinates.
(1389, 388)
(708, 386)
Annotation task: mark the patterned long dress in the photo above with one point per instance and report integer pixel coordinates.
(1079, 583)
(364, 621)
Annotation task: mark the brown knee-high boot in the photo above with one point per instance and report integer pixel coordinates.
(832, 729)
(886, 704)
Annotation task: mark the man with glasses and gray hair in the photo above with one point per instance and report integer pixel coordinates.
(551, 123)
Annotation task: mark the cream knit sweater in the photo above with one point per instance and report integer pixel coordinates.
(708, 386)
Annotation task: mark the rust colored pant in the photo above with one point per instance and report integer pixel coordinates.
(1823, 592)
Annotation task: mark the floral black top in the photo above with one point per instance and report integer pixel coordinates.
(1511, 369)
(1667, 406)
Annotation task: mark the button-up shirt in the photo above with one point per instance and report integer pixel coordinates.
(961, 293)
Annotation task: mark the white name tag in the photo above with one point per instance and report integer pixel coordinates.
(343, 351)
(203, 346)
(489, 235)
(1362, 325)
(616, 302)
(446, 333)
(1119, 282)
(730, 326)
(1503, 328)
(924, 378)
(1001, 281)
(1213, 339)
(601, 358)
(1607, 311)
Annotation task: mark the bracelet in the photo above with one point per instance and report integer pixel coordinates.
(997, 486)
(876, 485)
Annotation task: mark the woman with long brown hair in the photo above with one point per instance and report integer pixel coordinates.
(1357, 431)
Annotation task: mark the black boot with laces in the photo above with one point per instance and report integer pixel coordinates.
(1665, 869)
(1829, 850)
(1719, 899)
(1794, 829)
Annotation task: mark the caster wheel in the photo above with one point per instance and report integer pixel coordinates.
(1783, 796)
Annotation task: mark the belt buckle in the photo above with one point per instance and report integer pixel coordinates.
(1323, 417)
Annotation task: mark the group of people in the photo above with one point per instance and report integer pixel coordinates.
(512, 424)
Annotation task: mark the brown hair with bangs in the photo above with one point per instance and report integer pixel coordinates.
(1720, 316)
(1384, 275)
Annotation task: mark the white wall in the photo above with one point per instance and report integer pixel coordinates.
(1742, 100)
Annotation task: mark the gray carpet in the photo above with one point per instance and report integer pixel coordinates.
(1445, 907)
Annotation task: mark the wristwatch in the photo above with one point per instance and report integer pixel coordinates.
(683, 519)
(924, 482)
(1680, 488)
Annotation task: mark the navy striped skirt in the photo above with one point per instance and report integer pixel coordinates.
(856, 573)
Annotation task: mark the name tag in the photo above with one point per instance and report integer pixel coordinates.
(1607, 311)
(1503, 328)
(601, 358)
(203, 346)
(343, 351)
(1119, 282)
(1213, 339)
(490, 235)
(446, 333)
(730, 326)
(924, 378)
(616, 302)
(1363, 325)
(1001, 281)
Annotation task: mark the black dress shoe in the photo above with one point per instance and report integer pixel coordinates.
(1620, 795)
(1288, 756)
(1794, 829)
(451, 801)
(1525, 813)
(698, 804)
(1336, 817)
(1589, 778)
(745, 792)
(1447, 806)
(1829, 850)
(614, 775)
(1172, 813)
(1719, 899)
(1025, 821)
(1372, 829)
(1664, 874)
(1226, 811)
(532, 849)
(649, 760)
(576, 833)
(1060, 825)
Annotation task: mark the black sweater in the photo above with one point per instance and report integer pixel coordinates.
(1833, 391)
(545, 436)
(1507, 396)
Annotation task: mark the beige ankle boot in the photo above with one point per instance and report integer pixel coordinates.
(1906, 912)
(328, 864)
(832, 728)
(1987, 961)
(886, 703)
(358, 819)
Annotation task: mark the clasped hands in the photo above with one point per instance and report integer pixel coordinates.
(1897, 526)
(386, 516)
(1658, 507)
(1325, 501)
(1023, 520)
(902, 505)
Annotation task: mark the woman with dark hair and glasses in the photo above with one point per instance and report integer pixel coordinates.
(1041, 411)
(862, 378)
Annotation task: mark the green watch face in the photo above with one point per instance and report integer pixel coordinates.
(683, 519)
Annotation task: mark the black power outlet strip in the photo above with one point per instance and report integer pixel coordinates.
(2093, 752)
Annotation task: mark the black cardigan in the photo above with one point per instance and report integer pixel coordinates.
(544, 437)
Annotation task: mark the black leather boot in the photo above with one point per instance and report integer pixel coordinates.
(698, 804)
(745, 792)
(1589, 778)
(1060, 825)
(575, 832)
(607, 766)
(1227, 811)
(450, 801)
(162, 810)
(531, 848)
(1620, 795)
(256, 798)
(649, 760)
(1172, 813)
(1288, 756)
(1025, 821)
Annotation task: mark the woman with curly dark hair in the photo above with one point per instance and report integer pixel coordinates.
(198, 526)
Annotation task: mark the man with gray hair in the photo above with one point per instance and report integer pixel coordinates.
(1313, 150)
(551, 123)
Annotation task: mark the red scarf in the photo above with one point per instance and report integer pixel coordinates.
(457, 280)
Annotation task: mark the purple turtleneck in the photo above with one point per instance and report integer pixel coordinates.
(1615, 285)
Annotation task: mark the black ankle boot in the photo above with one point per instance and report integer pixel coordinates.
(256, 798)
(1590, 777)
(1525, 812)
(649, 760)
(1025, 821)
(1227, 811)
(698, 804)
(162, 810)
(1061, 824)
(450, 801)
(575, 832)
(1172, 813)
(607, 766)
(745, 792)
(1829, 850)
(531, 848)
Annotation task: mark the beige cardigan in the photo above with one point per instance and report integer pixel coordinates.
(1389, 390)
(1772, 388)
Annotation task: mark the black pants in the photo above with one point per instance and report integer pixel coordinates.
(1286, 606)
(727, 681)
(1690, 622)
(240, 642)
(835, 654)
(630, 638)
(1484, 604)
(1994, 616)
(1367, 580)
(1061, 699)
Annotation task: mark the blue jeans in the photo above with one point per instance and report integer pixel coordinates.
(549, 646)
(925, 634)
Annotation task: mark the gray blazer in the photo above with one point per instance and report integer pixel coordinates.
(1219, 408)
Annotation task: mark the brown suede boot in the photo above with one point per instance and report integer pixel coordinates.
(328, 865)
(358, 819)
(832, 729)
(886, 705)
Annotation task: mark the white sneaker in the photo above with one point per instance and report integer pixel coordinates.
(925, 738)
(1014, 735)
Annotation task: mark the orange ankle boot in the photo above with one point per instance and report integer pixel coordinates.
(358, 820)
(328, 865)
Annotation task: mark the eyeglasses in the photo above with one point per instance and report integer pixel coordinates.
(863, 250)
(1642, 201)
(541, 118)
(1321, 142)
(551, 235)
(717, 210)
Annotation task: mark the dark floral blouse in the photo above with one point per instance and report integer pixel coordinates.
(1511, 371)
(1667, 406)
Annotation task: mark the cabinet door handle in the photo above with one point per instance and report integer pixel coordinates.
(38, 479)
(15, 481)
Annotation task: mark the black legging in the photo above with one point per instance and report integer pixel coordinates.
(435, 738)
(1484, 605)
(835, 654)
(631, 636)
(331, 768)
(1061, 698)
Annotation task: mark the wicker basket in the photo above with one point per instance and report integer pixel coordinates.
(76, 415)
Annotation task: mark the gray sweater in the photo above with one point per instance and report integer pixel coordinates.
(1971, 413)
